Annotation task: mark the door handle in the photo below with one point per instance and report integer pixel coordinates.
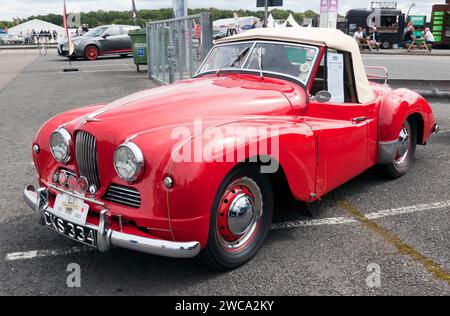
(361, 119)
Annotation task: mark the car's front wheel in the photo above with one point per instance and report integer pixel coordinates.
(91, 52)
(406, 149)
(241, 217)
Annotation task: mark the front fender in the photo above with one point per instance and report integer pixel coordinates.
(44, 162)
(291, 145)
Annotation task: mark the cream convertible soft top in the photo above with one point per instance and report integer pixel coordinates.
(331, 38)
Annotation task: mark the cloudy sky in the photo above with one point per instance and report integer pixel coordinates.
(25, 8)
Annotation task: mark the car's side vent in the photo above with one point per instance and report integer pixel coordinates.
(123, 195)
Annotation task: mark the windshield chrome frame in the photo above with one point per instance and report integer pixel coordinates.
(256, 71)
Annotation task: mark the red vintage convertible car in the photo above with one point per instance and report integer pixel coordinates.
(196, 167)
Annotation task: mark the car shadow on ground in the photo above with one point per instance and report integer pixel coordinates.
(99, 59)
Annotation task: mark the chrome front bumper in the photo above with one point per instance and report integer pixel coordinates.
(108, 238)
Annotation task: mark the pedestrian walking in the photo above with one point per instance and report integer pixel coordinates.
(408, 38)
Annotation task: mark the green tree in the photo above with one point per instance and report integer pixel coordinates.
(101, 17)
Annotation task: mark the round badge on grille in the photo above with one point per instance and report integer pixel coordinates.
(83, 184)
(92, 189)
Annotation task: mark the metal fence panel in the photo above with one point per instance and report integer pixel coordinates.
(177, 47)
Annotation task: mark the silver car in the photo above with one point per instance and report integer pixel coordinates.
(103, 40)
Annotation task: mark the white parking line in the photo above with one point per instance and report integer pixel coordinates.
(445, 205)
(374, 215)
(46, 253)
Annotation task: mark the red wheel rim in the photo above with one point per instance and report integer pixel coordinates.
(239, 215)
(91, 53)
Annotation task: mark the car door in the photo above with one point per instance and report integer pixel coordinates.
(341, 127)
(110, 41)
(125, 39)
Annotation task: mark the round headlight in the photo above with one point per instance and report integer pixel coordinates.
(129, 162)
(60, 141)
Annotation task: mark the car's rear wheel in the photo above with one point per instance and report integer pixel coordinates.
(91, 52)
(241, 217)
(406, 149)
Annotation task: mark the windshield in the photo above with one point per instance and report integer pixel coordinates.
(296, 61)
(96, 32)
(222, 57)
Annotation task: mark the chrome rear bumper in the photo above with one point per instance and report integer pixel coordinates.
(107, 238)
(435, 128)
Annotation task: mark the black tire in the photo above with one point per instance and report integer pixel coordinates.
(386, 44)
(399, 167)
(215, 254)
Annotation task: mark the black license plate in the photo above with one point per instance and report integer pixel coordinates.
(84, 235)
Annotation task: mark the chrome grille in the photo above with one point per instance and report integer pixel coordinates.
(86, 153)
(123, 195)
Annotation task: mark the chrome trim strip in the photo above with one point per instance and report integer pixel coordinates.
(86, 154)
(108, 238)
(124, 189)
(76, 195)
(386, 152)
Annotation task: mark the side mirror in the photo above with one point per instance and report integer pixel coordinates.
(323, 96)
(106, 35)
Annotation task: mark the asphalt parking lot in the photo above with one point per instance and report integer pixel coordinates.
(402, 226)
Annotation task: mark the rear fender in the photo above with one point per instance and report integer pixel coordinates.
(397, 106)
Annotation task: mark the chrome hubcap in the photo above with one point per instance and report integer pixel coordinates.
(240, 212)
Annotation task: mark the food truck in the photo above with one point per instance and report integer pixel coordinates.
(389, 20)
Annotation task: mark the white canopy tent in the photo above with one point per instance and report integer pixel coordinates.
(38, 26)
(271, 21)
(291, 22)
